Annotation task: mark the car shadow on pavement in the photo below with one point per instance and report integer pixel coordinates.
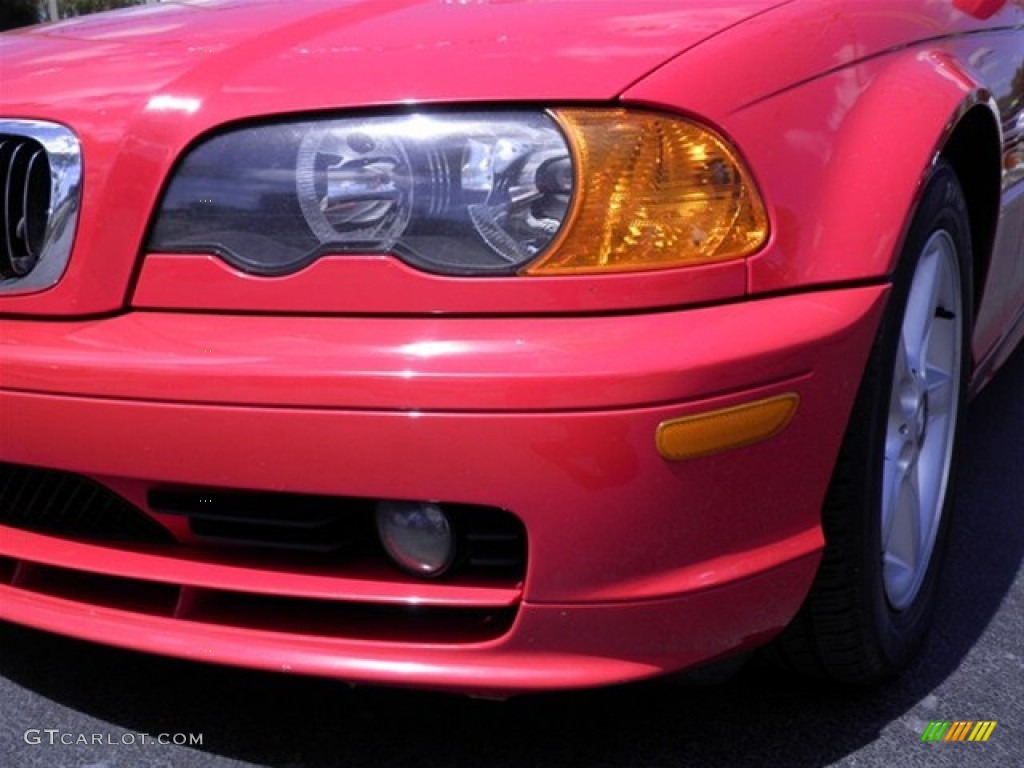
(762, 717)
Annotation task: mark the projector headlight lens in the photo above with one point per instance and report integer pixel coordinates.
(470, 194)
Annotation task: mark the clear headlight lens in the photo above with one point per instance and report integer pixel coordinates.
(568, 192)
(455, 194)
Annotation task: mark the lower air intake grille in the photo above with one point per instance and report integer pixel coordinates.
(46, 501)
(284, 521)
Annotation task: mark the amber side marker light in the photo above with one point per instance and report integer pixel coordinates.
(652, 191)
(706, 434)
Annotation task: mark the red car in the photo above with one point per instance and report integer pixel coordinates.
(501, 346)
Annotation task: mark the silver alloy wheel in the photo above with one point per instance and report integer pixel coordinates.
(922, 419)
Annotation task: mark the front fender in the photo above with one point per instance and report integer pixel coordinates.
(874, 152)
(841, 158)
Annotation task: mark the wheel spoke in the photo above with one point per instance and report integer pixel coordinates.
(904, 374)
(899, 461)
(930, 484)
(940, 385)
(903, 541)
(897, 569)
(921, 305)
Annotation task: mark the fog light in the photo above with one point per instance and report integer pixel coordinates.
(417, 535)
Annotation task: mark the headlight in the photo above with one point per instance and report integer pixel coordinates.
(565, 192)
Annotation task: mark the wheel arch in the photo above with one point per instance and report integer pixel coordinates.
(934, 109)
(973, 149)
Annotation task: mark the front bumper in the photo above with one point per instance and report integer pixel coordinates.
(636, 565)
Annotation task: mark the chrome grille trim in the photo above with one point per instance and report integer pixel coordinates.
(25, 268)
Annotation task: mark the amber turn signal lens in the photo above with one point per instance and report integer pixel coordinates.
(652, 191)
(706, 434)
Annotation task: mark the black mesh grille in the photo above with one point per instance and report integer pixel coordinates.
(274, 520)
(24, 203)
(493, 540)
(47, 501)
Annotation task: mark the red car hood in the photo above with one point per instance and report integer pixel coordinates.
(214, 61)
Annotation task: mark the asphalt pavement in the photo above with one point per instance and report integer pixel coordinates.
(53, 689)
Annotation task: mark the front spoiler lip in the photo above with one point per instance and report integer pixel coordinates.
(559, 646)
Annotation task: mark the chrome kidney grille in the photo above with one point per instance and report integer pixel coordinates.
(40, 191)
(26, 206)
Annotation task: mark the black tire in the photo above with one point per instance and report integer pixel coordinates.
(851, 628)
